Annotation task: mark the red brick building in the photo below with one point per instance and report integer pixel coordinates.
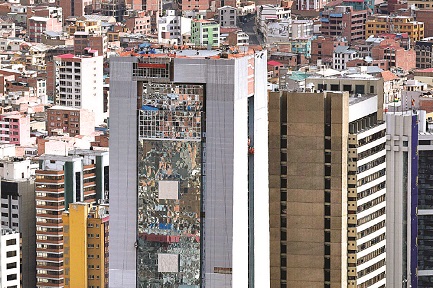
(322, 48)
(70, 120)
(76, 8)
(140, 25)
(396, 56)
(426, 16)
(274, 68)
(344, 21)
(287, 58)
(38, 25)
(188, 5)
(83, 40)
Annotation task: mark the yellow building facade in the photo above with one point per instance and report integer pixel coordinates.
(86, 245)
(381, 24)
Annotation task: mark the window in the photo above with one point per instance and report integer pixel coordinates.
(359, 89)
(11, 242)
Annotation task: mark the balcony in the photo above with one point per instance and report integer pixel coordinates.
(51, 208)
(48, 216)
(60, 242)
(44, 224)
(52, 259)
(47, 198)
(44, 189)
(49, 172)
(44, 284)
(50, 267)
(50, 181)
(51, 234)
(89, 184)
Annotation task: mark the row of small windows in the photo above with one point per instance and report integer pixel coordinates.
(372, 216)
(371, 151)
(372, 203)
(371, 164)
(371, 255)
(373, 280)
(371, 138)
(371, 177)
(371, 229)
(372, 242)
(371, 268)
(371, 190)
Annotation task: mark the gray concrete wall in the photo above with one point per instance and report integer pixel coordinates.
(123, 173)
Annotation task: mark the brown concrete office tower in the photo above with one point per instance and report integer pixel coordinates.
(327, 190)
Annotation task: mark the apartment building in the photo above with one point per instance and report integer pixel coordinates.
(312, 5)
(113, 8)
(322, 48)
(83, 24)
(70, 120)
(83, 40)
(139, 25)
(227, 16)
(327, 174)
(7, 29)
(10, 258)
(75, 8)
(60, 181)
(342, 55)
(394, 55)
(86, 245)
(238, 38)
(424, 53)
(424, 15)
(80, 82)
(277, 31)
(151, 5)
(18, 210)
(344, 21)
(38, 25)
(207, 173)
(194, 5)
(302, 28)
(44, 10)
(16, 128)
(205, 33)
(270, 12)
(53, 195)
(87, 32)
(172, 28)
(421, 5)
(379, 24)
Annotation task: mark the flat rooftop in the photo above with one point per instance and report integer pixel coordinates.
(234, 52)
(358, 98)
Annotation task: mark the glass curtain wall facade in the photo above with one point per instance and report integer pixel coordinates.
(171, 157)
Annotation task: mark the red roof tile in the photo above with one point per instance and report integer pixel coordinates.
(274, 63)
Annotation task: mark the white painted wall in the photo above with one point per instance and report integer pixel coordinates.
(5, 260)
